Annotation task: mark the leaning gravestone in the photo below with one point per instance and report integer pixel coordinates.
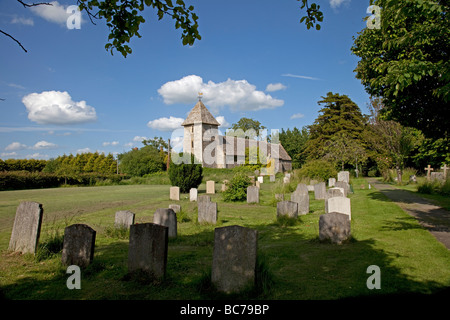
(253, 194)
(211, 187)
(234, 258)
(334, 227)
(193, 194)
(340, 205)
(320, 189)
(207, 212)
(175, 207)
(331, 193)
(27, 227)
(344, 185)
(147, 251)
(124, 219)
(287, 208)
(302, 200)
(167, 218)
(78, 246)
(344, 176)
(174, 193)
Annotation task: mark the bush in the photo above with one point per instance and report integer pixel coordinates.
(318, 169)
(237, 188)
(186, 175)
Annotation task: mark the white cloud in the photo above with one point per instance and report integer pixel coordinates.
(24, 21)
(113, 143)
(298, 76)
(44, 145)
(275, 87)
(84, 150)
(336, 3)
(139, 138)
(55, 13)
(15, 146)
(297, 116)
(37, 155)
(240, 95)
(56, 107)
(223, 123)
(8, 154)
(165, 124)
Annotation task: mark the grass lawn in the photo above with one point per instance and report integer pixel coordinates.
(296, 264)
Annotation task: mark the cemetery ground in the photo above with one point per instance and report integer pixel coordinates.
(292, 262)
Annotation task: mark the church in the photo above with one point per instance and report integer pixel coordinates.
(202, 139)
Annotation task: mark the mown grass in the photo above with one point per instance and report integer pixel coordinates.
(293, 263)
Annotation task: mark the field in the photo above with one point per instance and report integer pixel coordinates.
(293, 263)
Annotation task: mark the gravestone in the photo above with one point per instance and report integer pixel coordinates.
(302, 188)
(252, 194)
(261, 179)
(302, 200)
(124, 219)
(211, 187)
(344, 185)
(439, 176)
(174, 193)
(147, 250)
(272, 178)
(428, 170)
(344, 176)
(287, 208)
(193, 194)
(167, 218)
(331, 182)
(412, 178)
(27, 227)
(234, 258)
(207, 212)
(334, 227)
(204, 198)
(258, 184)
(340, 205)
(310, 187)
(225, 185)
(333, 192)
(78, 246)
(286, 180)
(320, 189)
(175, 207)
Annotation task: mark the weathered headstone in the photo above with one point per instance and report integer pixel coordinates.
(124, 219)
(252, 194)
(167, 218)
(320, 189)
(175, 207)
(193, 194)
(225, 185)
(27, 227)
(439, 176)
(334, 227)
(207, 212)
(147, 251)
(210, 187)
(344, 176)
(174, 193)
(302, 200)
(344, 185)
(78, 246)
(234, 258)
(261, 179)
(204, 198)
(340, 205)
(331, 182)
(302, 188)
(333, 192)
(287, 208)
(310, 187)
(272, 178)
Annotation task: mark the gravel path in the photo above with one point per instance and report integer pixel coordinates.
(434, 218)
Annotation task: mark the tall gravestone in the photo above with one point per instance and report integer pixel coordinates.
(334, 227)
(344, 176)
(204, 198)
(193, 193)
(27, 227)
(147, 251)
(320, 190)
(333, 192)
(78, 246)
(174, 193)
(207, 212)
(253, 194)
(124, 219)
(302, 188)
(234, 258)
(302, 200)
(167, 218)
(344, 185)
(340, 205)
(287, 208)
(210, 187)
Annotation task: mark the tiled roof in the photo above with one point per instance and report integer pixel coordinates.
(199, 114)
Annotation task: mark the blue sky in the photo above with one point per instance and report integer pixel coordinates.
(69, 95)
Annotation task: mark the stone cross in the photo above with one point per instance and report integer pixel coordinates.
(445, 168)
(428, 170)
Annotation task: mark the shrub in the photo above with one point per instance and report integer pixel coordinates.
(237, 188)
(186, 175)
(318, 169)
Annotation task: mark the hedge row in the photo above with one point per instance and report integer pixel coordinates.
(16, 180)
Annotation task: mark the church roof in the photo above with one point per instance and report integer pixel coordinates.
(199, 114)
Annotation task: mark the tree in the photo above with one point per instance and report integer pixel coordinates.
(340, 122)
(246, 125)
(294, 142)
(406, 63)
(139, 162)
(186, 175)
(343, 149)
